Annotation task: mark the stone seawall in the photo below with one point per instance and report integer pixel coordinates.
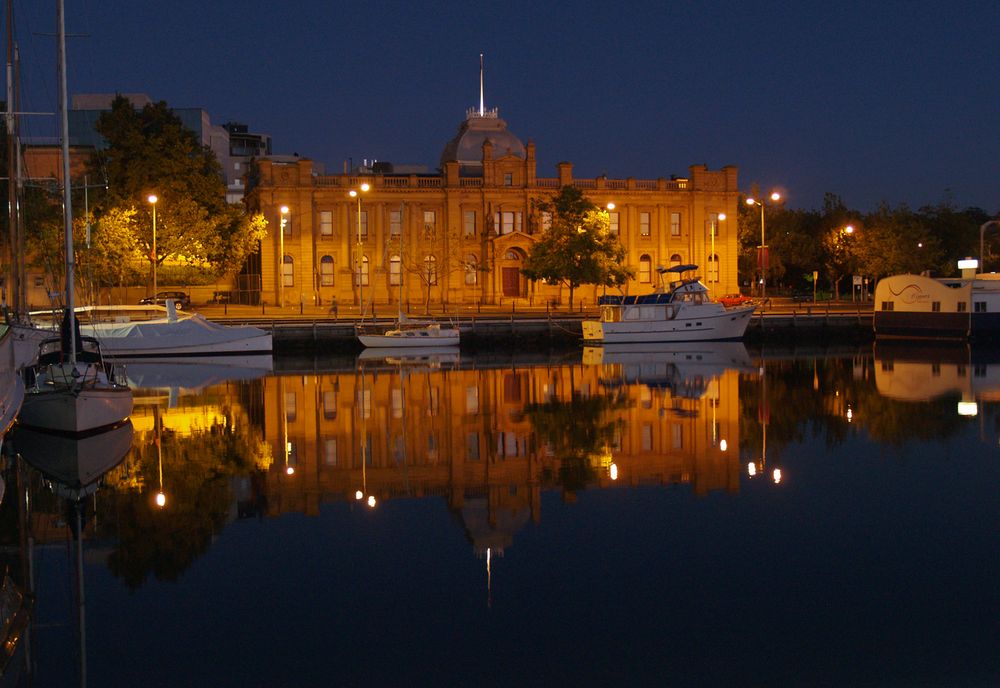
(304, 334)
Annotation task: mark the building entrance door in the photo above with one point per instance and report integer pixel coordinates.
(511, 282)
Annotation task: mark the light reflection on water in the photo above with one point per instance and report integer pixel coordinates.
(700, 516)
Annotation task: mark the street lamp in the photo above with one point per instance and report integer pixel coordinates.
(152, 201)
(775, 196)
(281, 256)
(982, 230)
(714, 258)
(357, 258)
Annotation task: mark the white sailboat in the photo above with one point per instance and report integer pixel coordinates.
(70, 388)
(406, 332)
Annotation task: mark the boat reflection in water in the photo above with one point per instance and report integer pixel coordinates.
(73, 467)
(928, 372)
(687, 369)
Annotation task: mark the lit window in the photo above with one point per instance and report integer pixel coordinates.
(713, 268)
(329, 404)
(288, 272)
(675, 224)
(644, 224)
(326, 271)
(325, 223)
(395, 271)
(472, 446)
(645, 269)
(430, 270)
(362, 278)
(508, 222)
(471, 270)
(330, 451)
(291, 404)
(395, 222)
(430, 223)
(613, 223)
(470, 223)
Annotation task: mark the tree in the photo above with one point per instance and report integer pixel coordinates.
(578, 247)
(150, 151)
(109, 260)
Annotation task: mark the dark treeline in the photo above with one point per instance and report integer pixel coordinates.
(838, 243)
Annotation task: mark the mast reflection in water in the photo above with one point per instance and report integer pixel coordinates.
(552, 509)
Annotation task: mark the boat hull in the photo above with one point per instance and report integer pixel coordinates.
(411, 338)
(84, 410)
(725, 324)
(192, 336)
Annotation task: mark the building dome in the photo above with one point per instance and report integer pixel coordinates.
(478, 127)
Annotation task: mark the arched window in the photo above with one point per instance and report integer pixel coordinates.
(645, 269)
(675, 259)
(288, 272)
(395, 271)
(430, 270)
(471, 269)
(362, 278)
(326, 271)
(713, 268)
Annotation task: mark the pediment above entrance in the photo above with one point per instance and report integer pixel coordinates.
(513, 240)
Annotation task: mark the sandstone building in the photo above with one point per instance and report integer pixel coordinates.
(459, 237)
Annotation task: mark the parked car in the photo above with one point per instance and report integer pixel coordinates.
(181, 299)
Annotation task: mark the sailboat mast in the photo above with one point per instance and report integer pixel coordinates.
(67, 189)
(14, 283)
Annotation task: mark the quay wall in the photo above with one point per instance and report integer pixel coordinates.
(337, 335)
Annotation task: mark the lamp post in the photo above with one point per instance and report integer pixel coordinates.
(982, 230)
(775, 196)
(281, 256)
(715, 258)
(357, 258)
(152, 201)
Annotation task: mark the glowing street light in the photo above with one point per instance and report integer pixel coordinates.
(357, 258)
(775, 197)
(152, 201)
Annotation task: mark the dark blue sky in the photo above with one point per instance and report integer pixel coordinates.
(875, 101)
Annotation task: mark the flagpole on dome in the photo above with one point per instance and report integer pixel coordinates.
(482, 105)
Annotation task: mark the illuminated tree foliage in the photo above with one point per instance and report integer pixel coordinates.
(577, 431)
(578, 248)
(150, 151)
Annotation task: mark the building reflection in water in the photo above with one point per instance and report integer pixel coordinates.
(489, 440)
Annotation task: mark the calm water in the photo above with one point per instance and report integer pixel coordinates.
(697, 517)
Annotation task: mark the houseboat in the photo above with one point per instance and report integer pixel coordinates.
(921, 307)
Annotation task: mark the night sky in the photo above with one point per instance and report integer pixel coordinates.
(875, 101)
